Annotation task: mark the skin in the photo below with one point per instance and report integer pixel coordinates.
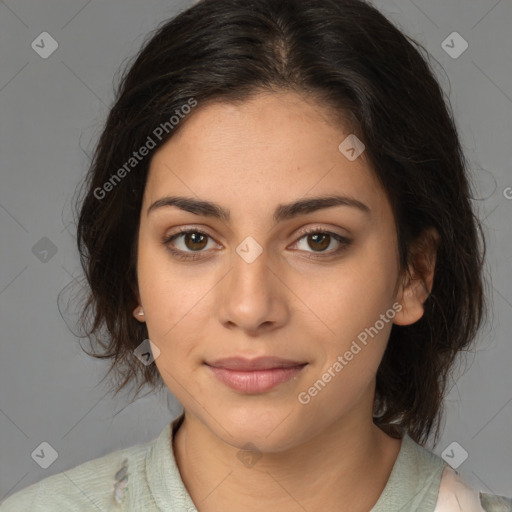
(250, 157)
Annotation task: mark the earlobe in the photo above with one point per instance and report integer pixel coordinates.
(411, 300)
(138, 313)
(418, 286)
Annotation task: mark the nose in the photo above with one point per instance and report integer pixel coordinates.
(252, 297)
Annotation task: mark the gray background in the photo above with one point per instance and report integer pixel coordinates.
(51, 110)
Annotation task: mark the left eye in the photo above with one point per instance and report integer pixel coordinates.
(320, 240)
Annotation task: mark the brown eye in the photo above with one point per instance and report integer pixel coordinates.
(187, 243)
(194, 241)
(320, 241)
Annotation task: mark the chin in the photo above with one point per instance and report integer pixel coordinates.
(270, 429)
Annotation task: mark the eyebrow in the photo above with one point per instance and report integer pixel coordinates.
(281, 213)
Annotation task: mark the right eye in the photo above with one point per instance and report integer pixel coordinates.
(193, 241)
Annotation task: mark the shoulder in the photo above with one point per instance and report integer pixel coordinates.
(95, 485)
(493, 503)
(455, 494)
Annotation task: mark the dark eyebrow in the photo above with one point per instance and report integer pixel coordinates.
(282, 211)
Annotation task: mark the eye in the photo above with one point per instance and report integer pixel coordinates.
(319, 239)
(194, 239)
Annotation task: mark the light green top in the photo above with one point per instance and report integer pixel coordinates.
(146, 477)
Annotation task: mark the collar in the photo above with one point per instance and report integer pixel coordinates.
(162, 473)
(414, 480)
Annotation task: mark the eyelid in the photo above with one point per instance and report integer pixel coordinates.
(319, 228)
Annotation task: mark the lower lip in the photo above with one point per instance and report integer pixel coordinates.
(255, 381)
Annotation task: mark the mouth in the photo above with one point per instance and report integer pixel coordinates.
(252, 376)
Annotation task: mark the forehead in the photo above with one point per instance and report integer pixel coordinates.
(271, 149)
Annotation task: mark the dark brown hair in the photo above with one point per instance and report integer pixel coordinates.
(345, 55)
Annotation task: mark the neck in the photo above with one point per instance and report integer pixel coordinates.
(345, 467)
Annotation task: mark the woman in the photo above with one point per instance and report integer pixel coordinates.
(277, 227)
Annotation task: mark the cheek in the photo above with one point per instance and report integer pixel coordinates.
(350, 305)
(170, 293)
(349, 297)
(178, 305)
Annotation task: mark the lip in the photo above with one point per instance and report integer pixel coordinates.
(257, 363)
(255, 375)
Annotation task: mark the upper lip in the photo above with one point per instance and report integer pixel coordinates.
(258, 363)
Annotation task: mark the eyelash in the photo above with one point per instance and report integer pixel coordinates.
(194, 255)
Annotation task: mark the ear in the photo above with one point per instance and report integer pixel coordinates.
(135, 290)
(137, 308)
(417, 283)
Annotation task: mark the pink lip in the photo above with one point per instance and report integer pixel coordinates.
(258, 363)
(254, 375)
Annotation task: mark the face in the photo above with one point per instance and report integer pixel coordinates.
(254, 284)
